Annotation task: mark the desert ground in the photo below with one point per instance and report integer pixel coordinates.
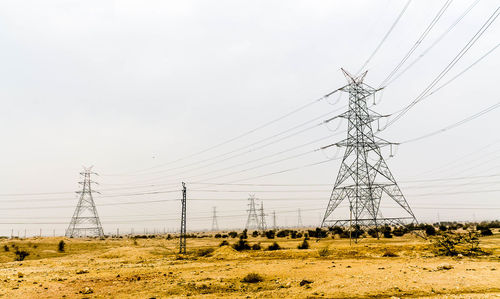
(399, 267)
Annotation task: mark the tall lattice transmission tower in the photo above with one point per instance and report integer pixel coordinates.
(85, 221)
(262, 223)
(299, 219)
(215, 225)
(364, 177)
(253, 220)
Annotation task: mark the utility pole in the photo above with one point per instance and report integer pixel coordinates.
(274, 220)
(253, 219)
(85, 220)
(299, 219)
(364, 177)
(182, 237)
(262, 222)
(215, 225)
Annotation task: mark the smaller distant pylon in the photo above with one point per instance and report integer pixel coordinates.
(85, 221)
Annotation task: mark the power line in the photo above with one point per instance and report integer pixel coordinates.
(385, 37)
(452, 63)
(239, 136)
(454, 125)
(448, 30)
(418, 42)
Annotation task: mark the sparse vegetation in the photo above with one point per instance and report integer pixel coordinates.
(274, 246)
(252, 278)
(21, 255)
(256, 246)
(430, 230)
(389, 253)
(241, 245)
(208, 269)
(452, 244)
(205, 251)
(270, 234)
(303, 245)
(61, 246)
(224, 243)
(486, 232)
(324, 252)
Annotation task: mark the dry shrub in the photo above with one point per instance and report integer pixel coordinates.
(205, 251)
(324, 252)
(389, 253)
(452, 244)
(252, 278)
(21, 255)
(274, 246)
(61, 246)
(241, 245)
(303, 245)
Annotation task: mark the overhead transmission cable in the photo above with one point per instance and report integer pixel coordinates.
(448, 30)
(450, 65)
(418, 42)
(238, 136)
(247, 148)
(385, 37)
(454, 125)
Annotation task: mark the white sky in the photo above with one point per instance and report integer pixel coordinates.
(128, 85)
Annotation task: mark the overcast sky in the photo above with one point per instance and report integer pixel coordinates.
(129, 86)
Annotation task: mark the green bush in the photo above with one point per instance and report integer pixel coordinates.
(303, 245)
(60, 246)
(430, 230)
(224, 243)
(274, 246)
(241, 245)
(270, 234)
(256, 246)
(453, 244)
(21, 255)
(486, 232)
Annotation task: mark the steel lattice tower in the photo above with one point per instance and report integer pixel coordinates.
(262, 223)
(215, 225)
(253, 219)
(85, 221)
(299, 219)
(364, 177)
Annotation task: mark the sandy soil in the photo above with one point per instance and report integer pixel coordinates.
(150, 268)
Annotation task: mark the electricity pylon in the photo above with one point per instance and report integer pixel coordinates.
(85, 221)
(215, 225)
(253, 219)
(364, 177)
(262, 223)
(299, 219)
